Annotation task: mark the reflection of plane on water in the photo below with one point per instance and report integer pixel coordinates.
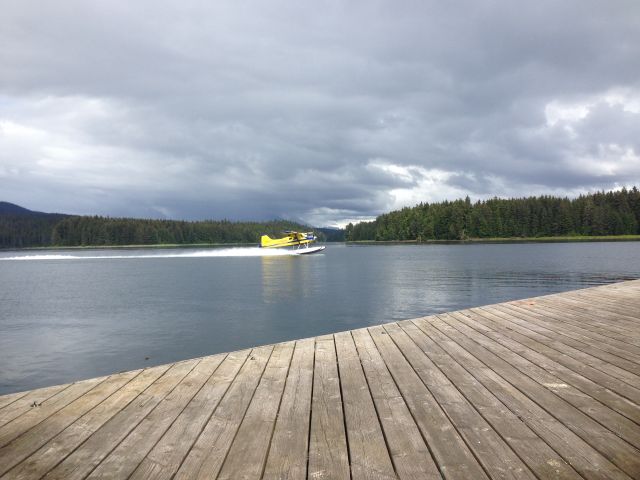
(300, 243)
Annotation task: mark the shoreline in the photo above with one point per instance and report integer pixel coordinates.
(566, 239)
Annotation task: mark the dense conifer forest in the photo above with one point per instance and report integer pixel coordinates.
(598, 214)
(603, 213)
(74, 231)
(21, 228)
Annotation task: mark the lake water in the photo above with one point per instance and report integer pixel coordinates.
(68, 315)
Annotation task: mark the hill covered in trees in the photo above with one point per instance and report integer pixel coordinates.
(74, 231)
(21, 228)
(602, 213)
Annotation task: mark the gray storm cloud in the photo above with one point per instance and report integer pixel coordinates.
(324, 112)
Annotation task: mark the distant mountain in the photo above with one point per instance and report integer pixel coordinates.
(21, 227)
(7, 208)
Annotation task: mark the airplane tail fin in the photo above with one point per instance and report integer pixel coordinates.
(266, 241)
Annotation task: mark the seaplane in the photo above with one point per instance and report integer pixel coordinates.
(298, 242)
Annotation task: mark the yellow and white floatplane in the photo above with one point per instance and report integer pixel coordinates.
(297, 242)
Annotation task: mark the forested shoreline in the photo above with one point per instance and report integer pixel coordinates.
(21, 231)
(22, 228)
(74, 231)
(598, 214)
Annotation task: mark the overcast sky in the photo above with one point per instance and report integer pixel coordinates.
(323, 111)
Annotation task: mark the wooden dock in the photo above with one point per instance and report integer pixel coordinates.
(547, 387)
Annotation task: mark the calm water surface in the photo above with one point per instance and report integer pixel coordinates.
(71, 315)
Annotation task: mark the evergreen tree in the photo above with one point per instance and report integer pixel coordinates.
(602, 213)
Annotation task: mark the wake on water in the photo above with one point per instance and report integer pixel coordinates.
(223, 252)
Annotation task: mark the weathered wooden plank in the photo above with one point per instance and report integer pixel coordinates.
(618, 297)
(57, 449)
(126, 457)
(39, 395)
(615, 422)
(208, 452)
(323, 338)
(31, 440)
(328, 454)
(621, 307)
(287, 458)
(574, 450)
(572, 328)
(86, 457)
(24, 422)
(249, 450)
(10, 398)
(619, 452)
(29, 401)
(555, 339)
(368, 454)
(564, 375)
(582, 320)
(561, 326)
(564, 301)
(614, 321)
(622, 349)
(591, 357)
(538, 456)
(497, 458)
(591, 300)
(559, 355)
(620, 302)
(410, 455)
(452, 454)
(167, 455)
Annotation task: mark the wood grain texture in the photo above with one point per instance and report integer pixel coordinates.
(167, 455)
(250, 447)
(559, 337)
(328, 452)
(452, 454)
(599, 438)
(598, 376)
(549, 372)
(57, 449)
(582, 320)
(534, 377)
(30, 400)
(538, 456)
(30, 440)
(410, 455)
(368, 453)
(207, 455)
(587, 461)
(86, 457)
(126, 457)
(27, 420)
(494, 454)
(287, 458)
(577, 331)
